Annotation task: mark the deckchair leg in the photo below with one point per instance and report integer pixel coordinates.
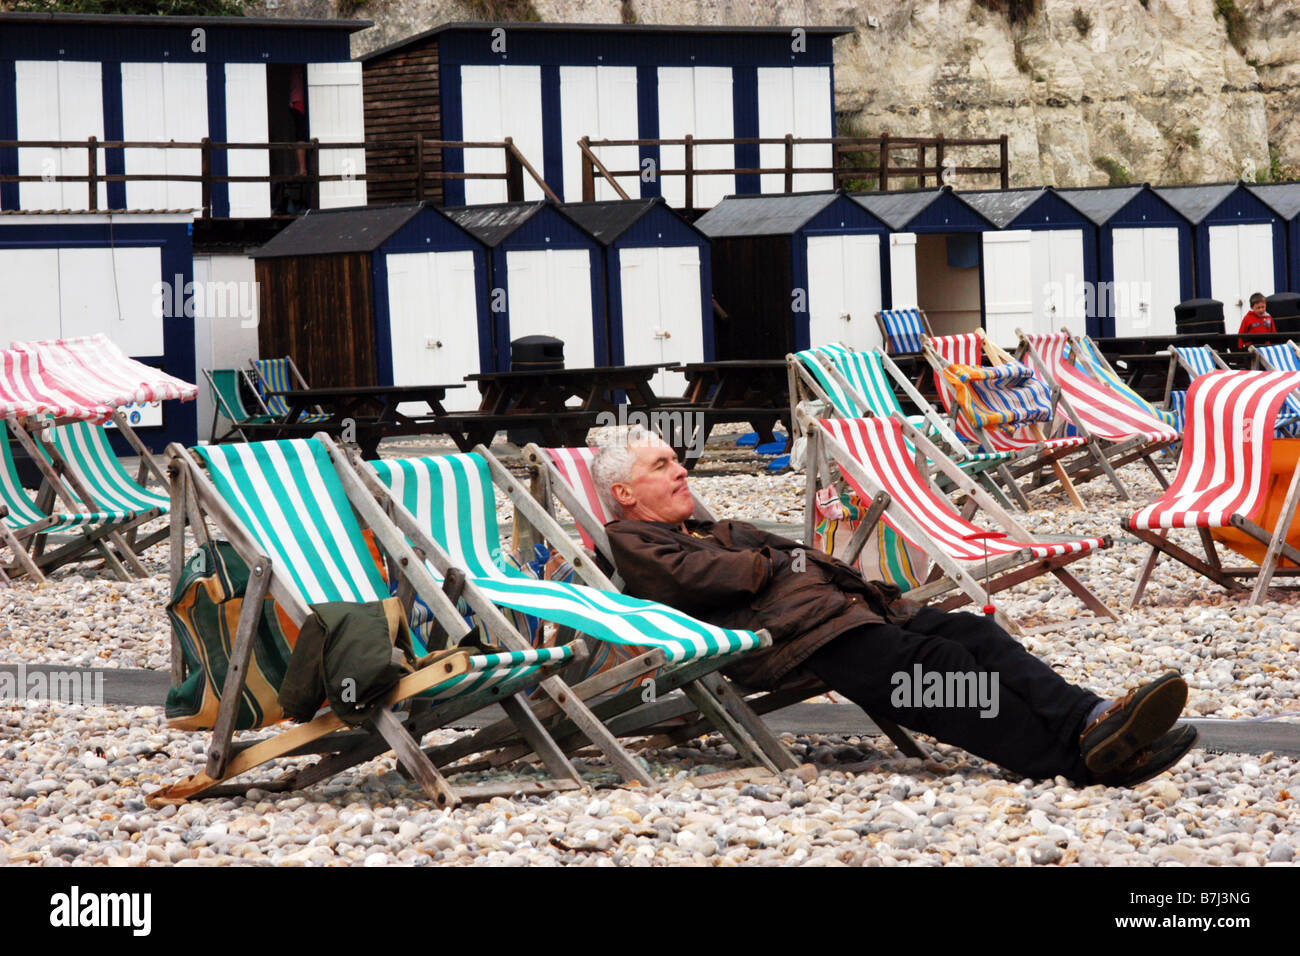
(232, 690)
(21, 557)
(1083, 593)
(531, 729)
(1009, 480)
(707, 705)
(412, 758)
(1110, 472)
(750, 722)
(595, 731)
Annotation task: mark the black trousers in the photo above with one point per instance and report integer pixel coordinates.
(885, 669)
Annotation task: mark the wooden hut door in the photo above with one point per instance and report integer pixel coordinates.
(1241, 263)
(663, 317)
(844, 290)
(58, 100)
(550, 294)
(599, 102)
(1148, 281)
(335, 115)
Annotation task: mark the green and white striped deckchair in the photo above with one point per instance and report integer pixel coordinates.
(27, 526)
(452, 498)
(228, 400)
(281, 375)
(294, 511)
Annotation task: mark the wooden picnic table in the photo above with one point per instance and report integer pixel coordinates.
(755, 391)
(1143, 361)
(372, 411)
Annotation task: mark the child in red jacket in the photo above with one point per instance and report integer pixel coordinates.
(1256, 320)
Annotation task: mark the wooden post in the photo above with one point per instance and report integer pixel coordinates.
(313, 171)
(514, 174)
(419, 167)
(920, 164)
(884, 161)
(205, 170)
(690, 171)
(789, 162)
(92, 165)
(588, 172)
(938, 160)
(1005, 164)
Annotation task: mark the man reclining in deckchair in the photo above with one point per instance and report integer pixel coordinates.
(867, 642)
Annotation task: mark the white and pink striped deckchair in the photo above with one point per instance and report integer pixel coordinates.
(1228, 479)
(565, 473)
(1094, 408)
(970, 348)
(873, 456)
(94, 365)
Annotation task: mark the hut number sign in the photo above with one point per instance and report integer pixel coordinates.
(141, 415)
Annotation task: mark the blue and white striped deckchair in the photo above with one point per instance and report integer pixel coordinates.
(286, 501)
(1195, 360)
(451, 497)
(281, 375)
(904, 330)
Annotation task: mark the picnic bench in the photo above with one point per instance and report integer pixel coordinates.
(755, 391)
(371, 412)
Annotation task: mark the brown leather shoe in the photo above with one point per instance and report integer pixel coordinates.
(1155, 759)
(1134, 721)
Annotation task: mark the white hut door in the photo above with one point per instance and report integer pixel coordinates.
(795, 100)
(550, 294)
(164, 102)
(1241, 263)
(598, 102)
(1008, 285)
(696, 100)
(843, 290)
(335, 115)
(496, 102)
(1147, 281)
(433, 323)
(1058, 294)
(902, 270)
(246, 122)
(663, 319)
(58, 100)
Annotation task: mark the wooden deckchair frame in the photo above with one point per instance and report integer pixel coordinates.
(947, 574)
(1177, 361)
(298, 379)
(803, 385)
(1115, 454)
(546, 481)
(221, 408)
(193, 496)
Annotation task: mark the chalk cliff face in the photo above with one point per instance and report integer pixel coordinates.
(1088, 92)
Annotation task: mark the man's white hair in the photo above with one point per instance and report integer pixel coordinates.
(616, 459)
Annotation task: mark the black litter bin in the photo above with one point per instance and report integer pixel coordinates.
(1199, 317)
(533, 353)
(1285, 309)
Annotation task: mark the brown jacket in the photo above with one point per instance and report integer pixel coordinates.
(734, 575)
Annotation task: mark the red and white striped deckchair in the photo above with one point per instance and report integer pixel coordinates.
(970, 348)
(1229, 475)
(1094, 408)
(873, 457)
(566, 474)
(94, 365)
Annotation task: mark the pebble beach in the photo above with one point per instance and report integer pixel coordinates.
(74, 778)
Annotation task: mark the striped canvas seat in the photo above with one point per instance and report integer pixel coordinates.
(1283, 358)
(451, 496)
(273, 375)
(1197, 359)
(85, 449)
(1001, 396)
(23, 512)
(1091, 359)
(1224, 463)
(93, 365)
(877, 444)
(574, 466)
(226, 390)
(967, 349)
(288, 497)
(903, 330)
(1106, 413)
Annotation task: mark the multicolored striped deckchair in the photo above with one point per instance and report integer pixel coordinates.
(1227, 480)
(281, 375)
(295, 511)
(1029, 440)
(565, 473)
(856, 384)
(228, 400)
(873, 456)
(904, 330)
(1095, 409)
(451, 498)
(1085, 353)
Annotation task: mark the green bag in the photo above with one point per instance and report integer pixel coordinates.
(204, 611)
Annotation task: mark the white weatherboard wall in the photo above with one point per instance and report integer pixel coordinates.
(162, 102)
(696, 100)
(225, 333)
(58, 100)
(496, 102)
(663, 319)
(902, 270)
(246, 122)
(844, 290)
(797, 101)
(433, 323)
(1147, 281)
(550, 294)
(1030, 282)
(335, 115)
(1241, 263)
(598, 102)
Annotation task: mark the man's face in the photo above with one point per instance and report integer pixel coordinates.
(1259, 308)
(657, 488)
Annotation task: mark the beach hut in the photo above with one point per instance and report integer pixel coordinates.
(657, 284)
(935, 254)
(544, 278)
(546, 85)
(377, 295)
(791, 272)
(1284, 200)
(1239, 244)
(1144, 259)
(1039, 264)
